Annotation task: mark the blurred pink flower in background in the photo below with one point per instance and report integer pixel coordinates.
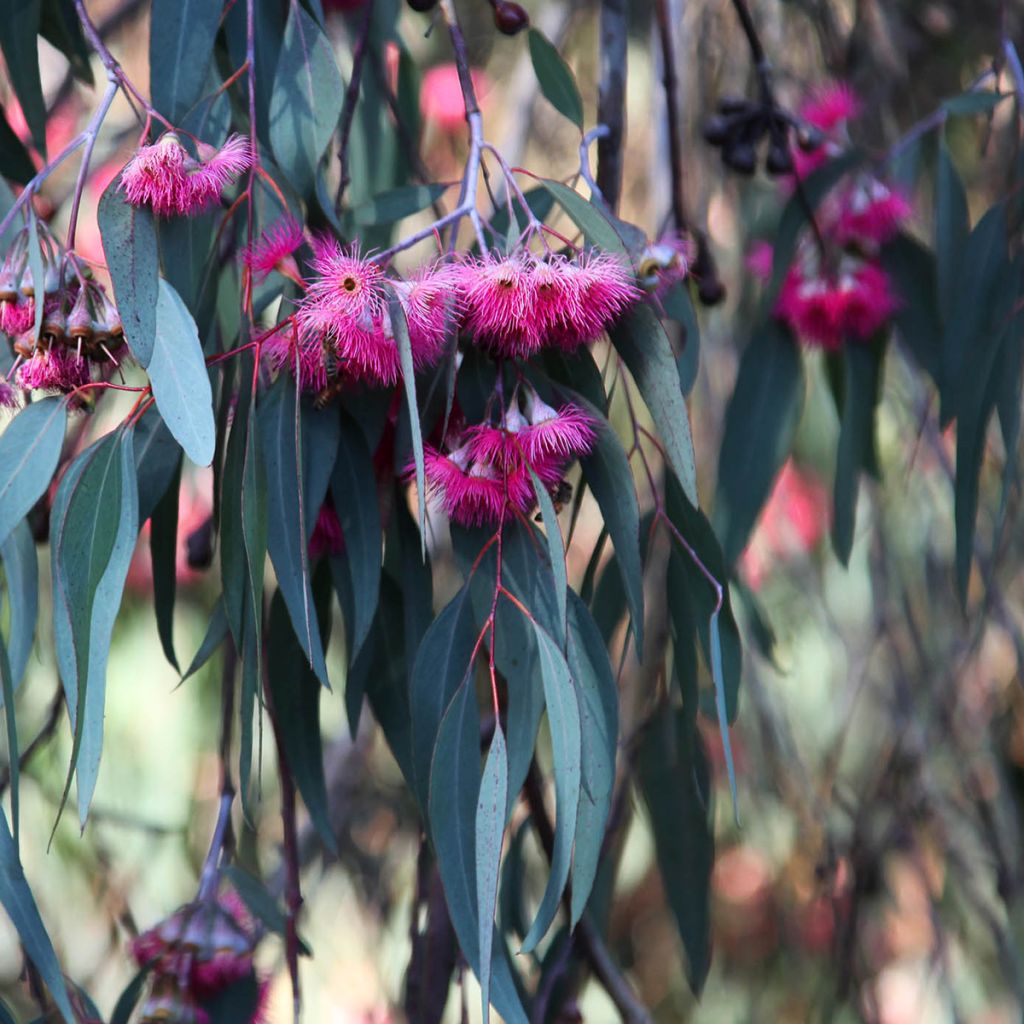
(194, 507)
(794, 519)
(441, 96)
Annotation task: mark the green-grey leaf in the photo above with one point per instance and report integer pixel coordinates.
(566, 744)
(133, 259)
(490, 828)
(19, 27)
(556, 549)
(306, 101)
(557, 82)
(21, 572)
(395, 204)
(401, 329)
(29, 452)
(181, 384)
(640, 338)
(181, 37)
(594, 224)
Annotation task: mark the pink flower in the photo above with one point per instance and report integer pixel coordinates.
(327, 538)
(500, 299)
(870, 213)
(561, 434)
(431, 303)
(831, 107)
(474, 493)
(274, 247)
(10, 397)
(346, 308)
(825, 309)
(18, 316)
(605, 289)
(299, 353)
(167, 178)
(54, 369)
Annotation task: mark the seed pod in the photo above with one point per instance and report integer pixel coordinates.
(510, 18)
(718, 130)
(740, 156)
(199, 545)
(28, 286)
(422, 5)
(80, 318)
(711, 292)
(734, 104)
(51, 280)
(780, 160)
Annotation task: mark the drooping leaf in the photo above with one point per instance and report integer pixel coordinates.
(607, 472)
(557, 82)
(353, 487)
(181, 37)
(92, 553)
(260, 903)
(640, 338)
(15, 163)
(862, 366)
(306, 101)
(157, 457)
(952, 225)
(129, 998)
(401, 329)
(593, 222)
(454, 789)
(281, 445)
(396, 204)
(973, 102)
(598, 697)
(760, 422)
(163, 551)
(918, 318)
(181, 384)
(556, 551)
(443, 663)
(216, 633)
(490, 830)
(295, 695)
(268, 35)
(239, 1001)
(59, 26)
(16, 898)
(563, 709)
(11, 729)
(133, 259)
(19, 27)
(21, 575)
(320, 431)
(29, 453)
(675, 779)
(678, 306)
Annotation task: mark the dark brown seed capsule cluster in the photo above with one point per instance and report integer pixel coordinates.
(740, 125)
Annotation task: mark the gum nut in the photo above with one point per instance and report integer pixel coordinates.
(717, 130)
(510, 18)
(779, 160)
(741, 157)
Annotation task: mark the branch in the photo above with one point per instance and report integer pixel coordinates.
(45, 734)
(611, 98)
(348, 109)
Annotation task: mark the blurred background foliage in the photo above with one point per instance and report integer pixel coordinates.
(880, 745)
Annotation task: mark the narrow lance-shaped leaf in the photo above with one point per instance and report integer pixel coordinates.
(556, 549)
(21, 572)
(181, 38)
(640, 339)
(306, 101)
(133, 259)
(11, 723)
(760, 423)
(556, 79)
(490, 828)
(19, 27)
(281, 437)
(17, 900)
(181, 384)
(401, 330)
(566, 743)
(29, 452)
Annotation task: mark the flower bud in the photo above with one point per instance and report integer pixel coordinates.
(80, 318)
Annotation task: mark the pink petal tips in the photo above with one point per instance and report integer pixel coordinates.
(274, 247)
(165, 177)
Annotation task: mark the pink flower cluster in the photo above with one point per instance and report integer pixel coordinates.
(196, 953)
(167, 178)
(484, 475)
(514, 306)
(839, 291)
(80, 325)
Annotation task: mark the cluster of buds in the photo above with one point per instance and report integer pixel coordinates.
(80, 327)
(740, 125)
(513, 306)
(837, 289)
(194, 955)
(167, 178)
(483, 475)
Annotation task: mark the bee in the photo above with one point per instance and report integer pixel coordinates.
(561, 495)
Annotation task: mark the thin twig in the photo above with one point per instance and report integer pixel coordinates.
(41, 738)
(348, 109)
(611, 98)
